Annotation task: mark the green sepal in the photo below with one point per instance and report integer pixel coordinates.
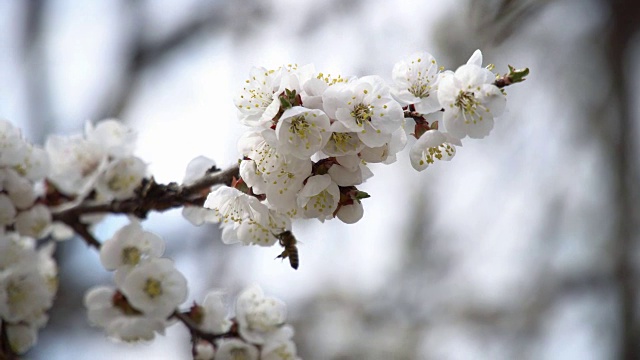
(517, 75)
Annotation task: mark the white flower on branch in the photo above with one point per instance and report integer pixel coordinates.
(215, 318)
(364, 106)
(244, 218)
(204, 350)
(19, 189)
(279, 350)
(155, 288)
(129, 246)
(78, 161)
(256, 96)
(21, 336)
(108, 309)
(24, 294)
(350, 214)
(433, 146)
(342, 141)
(470, 99)
(260, 318)
(35, 222)
(112, 137)
(75, 163)
(415, 82)
(7, 210)
(120, 178)
(12, 146)
(27, 287)
(234, 349)
(196, 169)
(349, 171)
(319, 197)
(302, 132)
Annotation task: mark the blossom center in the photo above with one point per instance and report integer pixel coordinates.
(362, 113)
(153, 288)
(131, 255)
(420, 88)
(15, 294)
(263, 318)
(300, 126)
(120, 182)
(469, 104)
(321, 201)
(341, 140)
(436, 153)
(239, 354)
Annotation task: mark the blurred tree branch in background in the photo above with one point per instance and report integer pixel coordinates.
(36, 74)
(623, 27)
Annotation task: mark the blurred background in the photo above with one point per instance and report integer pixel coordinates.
(524, 246)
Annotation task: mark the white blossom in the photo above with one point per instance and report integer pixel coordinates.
(275, 173)
(302, 132)
(257, 95)
(34, 165)
(24, 294)
(432, 146)
(129, 246)
(415, 82)
(12, 146)
(316, 86)
(155, 288)
(7, 210)
(279, 350)
(121, 177)
(351, 213)
(19, 189)
(120, 322)
(16, 250)
(204, 350)
(232, 206)
(196, 169)
(319, 197)
(365, 106)
(349, 171)
(259, 317)
(34, 222)
(215, 318)
(78, 161)
(21, 337)
(386, 153)
(75, 163)
(244, 218)
(342, 142)
(234, 349)
(112, 137)
(470, 99)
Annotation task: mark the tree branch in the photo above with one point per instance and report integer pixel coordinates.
(197, 333)
(152, 196)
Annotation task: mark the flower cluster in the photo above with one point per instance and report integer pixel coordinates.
(258, 330)
(99, 164)
(28, 275)
(313, 135)
(28, 283)
(22, 170)
(149, 288)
